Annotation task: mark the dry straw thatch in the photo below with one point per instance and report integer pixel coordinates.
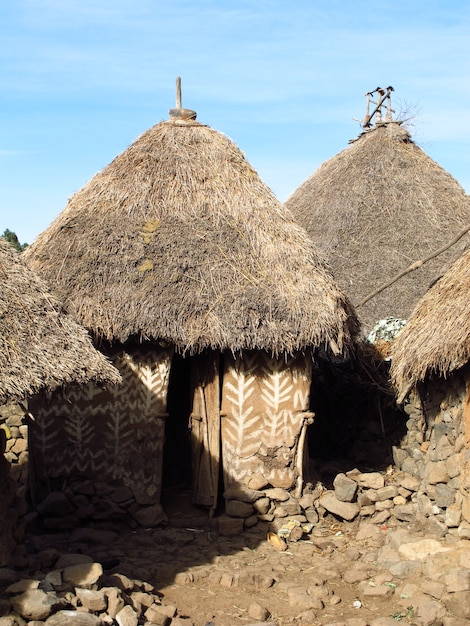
(375, 208)
(40, 347)
(436, 339)
(179, 240)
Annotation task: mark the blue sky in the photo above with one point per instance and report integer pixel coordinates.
(82, 79)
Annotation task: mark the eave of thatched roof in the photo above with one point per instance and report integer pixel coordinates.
(375, 208)
(436, 339)
(40, 347)
(179, 240)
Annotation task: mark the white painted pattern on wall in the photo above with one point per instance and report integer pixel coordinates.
(263, 401)
(114, 433)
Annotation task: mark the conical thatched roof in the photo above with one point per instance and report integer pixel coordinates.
(436, 339)
(179, 240)
(375, 208)
(40, 347)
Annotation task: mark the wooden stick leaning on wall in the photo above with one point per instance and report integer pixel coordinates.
(413, 267)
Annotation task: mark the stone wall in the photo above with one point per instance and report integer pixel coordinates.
(436, 452)
(13, 477)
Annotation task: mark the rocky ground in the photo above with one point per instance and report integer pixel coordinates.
(195, 571)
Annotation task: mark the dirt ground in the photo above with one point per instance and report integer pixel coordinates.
(244, 579)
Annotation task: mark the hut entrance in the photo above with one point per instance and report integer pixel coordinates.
(357, 421)
(192, 436)
(234, 421)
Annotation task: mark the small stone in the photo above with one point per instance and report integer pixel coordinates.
(435, 473)
(127, 617)
(22, 585)
(292, 507)
(262, 505)
(380, 517)
(444, 495)
(454, 465)
(457, 580)
(257, 481)
(399, 501)
(404, 513)
(154, 615)
(345, 488)
(375, 591)
(406, 569)
(226, 580)
(427, 610)
(364, 499)
(307, 500)
(466, 508)
(457, 604)
(371, 480)
(183, 578)
(345, 510)
(143, 598)
(34, 604)
(367, 511)
(150, 516)
(433, 588)
(300, 600)
(356, 574)
(115, 600)
(65, 560)
(73, 618)
(121, 581)
(454, 621)
(244, 494)
(384, 505)
(83, 575)
(251, 521)
(421, 549)
(387, 493)
(464, 530)
(92, 600)
(276, 493)
(453, 516)
(54, 577)
(280, 512)
(258, 612)
(370, 532)
(236, 508)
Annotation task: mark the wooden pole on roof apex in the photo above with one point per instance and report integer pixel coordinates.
(382, 96)
(178, 93)
(178, 113)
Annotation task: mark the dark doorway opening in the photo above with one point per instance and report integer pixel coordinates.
(177, 447)
(357, 421)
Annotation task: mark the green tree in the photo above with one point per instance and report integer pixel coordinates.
(11, 237)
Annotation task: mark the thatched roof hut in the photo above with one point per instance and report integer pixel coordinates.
(40, 346)
(374, 209)
(179, 240)
(178, 246)
(436, 340)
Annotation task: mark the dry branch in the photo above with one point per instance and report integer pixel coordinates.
(413, 267)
